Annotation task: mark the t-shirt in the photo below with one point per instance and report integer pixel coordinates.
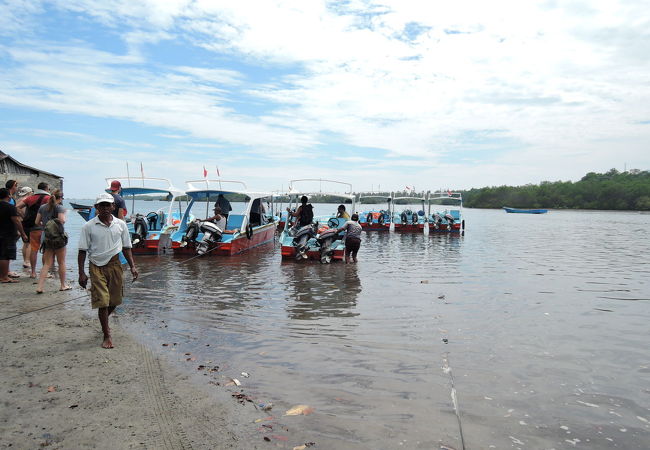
(7, 226)
(352, 229)
(46, 214)
(119, 203)
(344, 215)
(103, 242)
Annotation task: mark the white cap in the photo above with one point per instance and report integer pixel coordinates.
(104, 198)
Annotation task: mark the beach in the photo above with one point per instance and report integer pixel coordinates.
(59, 389)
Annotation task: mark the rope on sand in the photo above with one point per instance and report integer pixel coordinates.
(85, 294)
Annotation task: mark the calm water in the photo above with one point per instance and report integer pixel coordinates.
(535, 326)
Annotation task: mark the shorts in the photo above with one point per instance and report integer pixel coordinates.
(7, 248)
(352, 245)
(35, 239)
(106, 283)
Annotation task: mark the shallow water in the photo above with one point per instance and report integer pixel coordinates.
(531, 331)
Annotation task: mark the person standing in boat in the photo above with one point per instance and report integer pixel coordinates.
(352, 237)
(224, 204)
(304, 213)
(119, 207)
(102, 239)
(341, 213)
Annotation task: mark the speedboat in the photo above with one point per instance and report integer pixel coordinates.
(374, 219)
(248, 228)
(319, 240)
(409, 220)
(444, 213)
(149, 231)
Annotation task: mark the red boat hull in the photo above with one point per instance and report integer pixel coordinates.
(408, 228)
(375, 226)
(288, 251)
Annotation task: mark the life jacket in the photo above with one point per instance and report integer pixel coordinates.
(29, 221)
(306, 215)
(54, 237)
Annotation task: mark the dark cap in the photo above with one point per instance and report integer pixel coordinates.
(115, 185)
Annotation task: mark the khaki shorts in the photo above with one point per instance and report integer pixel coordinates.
(106, 283)
(35, 240)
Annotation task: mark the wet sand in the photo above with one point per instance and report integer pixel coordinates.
(60, 389)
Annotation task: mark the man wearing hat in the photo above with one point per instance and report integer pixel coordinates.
(102, 239)
(119, 208)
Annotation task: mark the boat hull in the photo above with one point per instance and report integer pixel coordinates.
(525, 211)
(238, 244)
(289, 251)
(374, 226)
(409, 227)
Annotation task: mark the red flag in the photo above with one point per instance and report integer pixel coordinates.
(205, 172)
(218, 174)
(449, 192)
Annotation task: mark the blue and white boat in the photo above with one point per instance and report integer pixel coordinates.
(445, 212)
(408, 220)
(150, 230)
(320, 239)
(372, 218)
(245, 229)
(525, 211)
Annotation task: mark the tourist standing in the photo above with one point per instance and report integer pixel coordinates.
(9, 225)
(29, 207)
(24, 192)
(12, 187)
(352, 237)
(54, 243)
(102, 239)
(119, 207)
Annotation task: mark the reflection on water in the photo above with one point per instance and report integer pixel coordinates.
(543, 321)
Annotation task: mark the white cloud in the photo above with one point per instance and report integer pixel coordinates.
(566, 83)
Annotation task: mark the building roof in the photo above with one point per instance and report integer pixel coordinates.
(4, 156)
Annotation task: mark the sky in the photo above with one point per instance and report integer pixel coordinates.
(380, 94)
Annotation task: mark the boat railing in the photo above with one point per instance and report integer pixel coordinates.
(216, 185)
(293, 188)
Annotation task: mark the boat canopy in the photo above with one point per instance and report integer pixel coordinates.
(305, 186)
(144, 186)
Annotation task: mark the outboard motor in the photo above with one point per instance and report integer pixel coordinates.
(191, 233)
(414, 218)
(325, 239)
(140, 231)
(211, 235)
(450, 220)
(437, 220)
(300, 238)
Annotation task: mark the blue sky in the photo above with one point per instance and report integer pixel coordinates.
(426, 94)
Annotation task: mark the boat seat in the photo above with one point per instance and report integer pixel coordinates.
(455, 214)
(234, 221)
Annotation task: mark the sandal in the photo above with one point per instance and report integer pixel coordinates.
(13, 275)
(10, 280)
(66, 288)
(39, 292)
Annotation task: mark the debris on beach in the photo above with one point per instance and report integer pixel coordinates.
(264, 419)
(233, 381)
(304, 446)
(299, 409)
(51, 389)
(245, 374)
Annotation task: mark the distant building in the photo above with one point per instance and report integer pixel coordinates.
(10, 169)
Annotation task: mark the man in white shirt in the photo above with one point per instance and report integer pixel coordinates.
(102, 239)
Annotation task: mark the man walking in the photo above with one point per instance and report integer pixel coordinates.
(102, 239)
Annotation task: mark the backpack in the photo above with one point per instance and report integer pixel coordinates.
(29, 221)
(306, 214)
(54, 237)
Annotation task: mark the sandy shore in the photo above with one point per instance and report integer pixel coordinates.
(59, 389)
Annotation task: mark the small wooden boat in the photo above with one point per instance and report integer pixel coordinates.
(525, 211)
(79, 206)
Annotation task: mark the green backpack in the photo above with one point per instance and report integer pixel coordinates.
(54, 237)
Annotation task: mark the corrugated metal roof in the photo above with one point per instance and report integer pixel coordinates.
(4, 156)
